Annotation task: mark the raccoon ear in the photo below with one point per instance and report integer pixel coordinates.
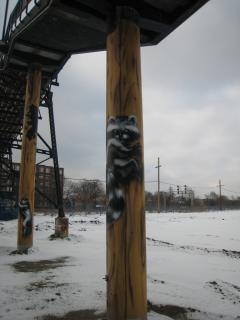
(111, 120)
(132, 120)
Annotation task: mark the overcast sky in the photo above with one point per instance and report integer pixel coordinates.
(191, 105)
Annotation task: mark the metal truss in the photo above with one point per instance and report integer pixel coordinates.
(11, 123)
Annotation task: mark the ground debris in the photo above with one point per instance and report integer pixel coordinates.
(39, 265)
(76, 315)
(175, 312)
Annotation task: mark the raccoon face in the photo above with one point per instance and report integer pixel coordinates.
(122, 135)
(123, 161)
(123, 129)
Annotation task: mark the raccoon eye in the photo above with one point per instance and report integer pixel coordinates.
(116, 133)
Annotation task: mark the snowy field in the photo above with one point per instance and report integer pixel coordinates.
(193, 268)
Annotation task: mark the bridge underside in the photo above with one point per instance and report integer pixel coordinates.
(55, 29)
(48, 32)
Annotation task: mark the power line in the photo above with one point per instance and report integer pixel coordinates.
(83, 179)
(202, 187)
(164, 182)
(237, 192)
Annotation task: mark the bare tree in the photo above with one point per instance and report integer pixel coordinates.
(85, 195)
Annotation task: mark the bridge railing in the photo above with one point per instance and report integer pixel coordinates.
(5, 18)
(20, 11)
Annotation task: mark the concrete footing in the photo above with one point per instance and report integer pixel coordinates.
(61, 227)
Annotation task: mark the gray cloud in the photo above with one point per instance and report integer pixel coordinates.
(79, 105)
(202, 54)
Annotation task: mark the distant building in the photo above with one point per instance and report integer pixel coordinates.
(8, 208)
(45, 195)
(45, 185)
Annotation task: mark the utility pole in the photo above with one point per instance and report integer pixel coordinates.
(158, 195)
(191, 196)
(164, 202)
(220, 185)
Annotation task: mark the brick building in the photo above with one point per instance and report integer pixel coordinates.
(45, 185)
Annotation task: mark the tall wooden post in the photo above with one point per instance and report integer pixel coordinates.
(126, 245)
(28, 159)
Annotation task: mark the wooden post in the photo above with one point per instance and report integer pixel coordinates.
(28, 159)
(126, 244)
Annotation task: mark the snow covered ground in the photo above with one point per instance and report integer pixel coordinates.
(193, 267)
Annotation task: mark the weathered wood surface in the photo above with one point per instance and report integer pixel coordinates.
(28, 159)
(126, 247)
(61, 227)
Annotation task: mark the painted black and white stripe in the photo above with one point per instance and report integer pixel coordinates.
(24, 209)
(123, 161)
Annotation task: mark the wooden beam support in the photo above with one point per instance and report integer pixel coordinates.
(28, 160)
(126, 244)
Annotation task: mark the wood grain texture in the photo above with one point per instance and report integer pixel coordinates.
(126, 247)
(28, 153)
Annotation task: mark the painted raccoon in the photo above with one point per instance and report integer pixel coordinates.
(32, 121)
(25, 212)
(123, 161)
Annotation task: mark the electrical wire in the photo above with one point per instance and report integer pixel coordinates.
(231, 190)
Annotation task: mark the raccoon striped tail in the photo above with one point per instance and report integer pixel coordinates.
(25, 212)
(115, 199)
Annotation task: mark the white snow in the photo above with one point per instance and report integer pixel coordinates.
(187, 266)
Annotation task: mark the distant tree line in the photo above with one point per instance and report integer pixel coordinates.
(212, 201)
(85, 195)
(172, 201)
(90, 196)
